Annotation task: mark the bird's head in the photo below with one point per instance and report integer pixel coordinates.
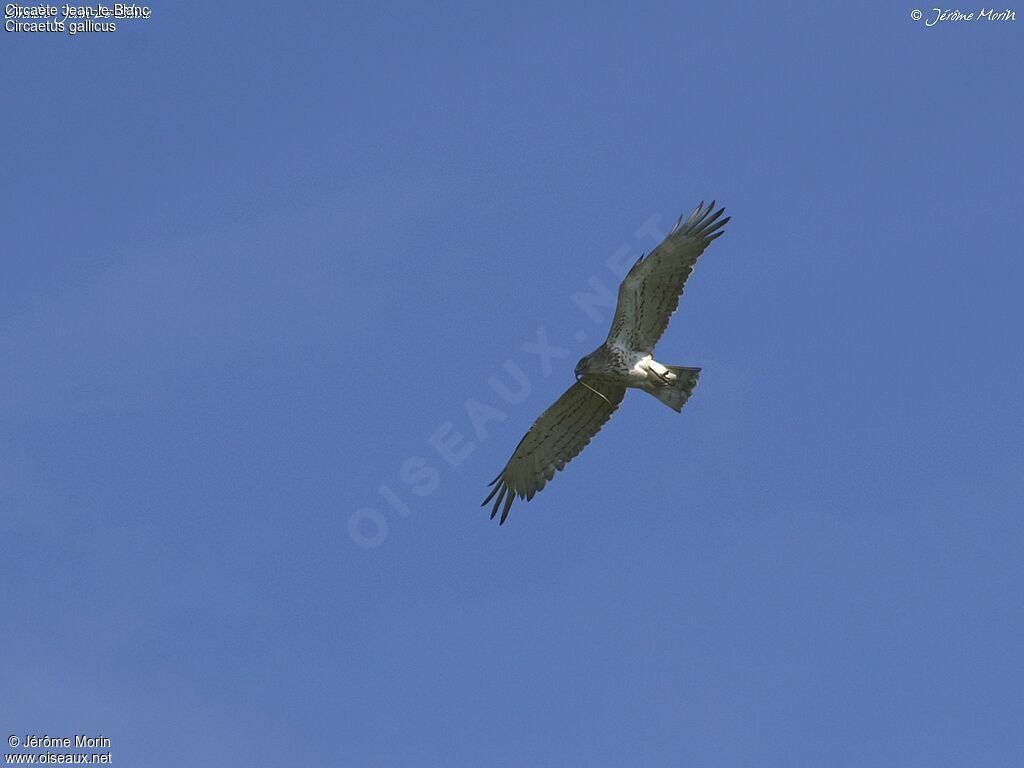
(583, 366)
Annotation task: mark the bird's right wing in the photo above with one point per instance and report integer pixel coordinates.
(555, 438)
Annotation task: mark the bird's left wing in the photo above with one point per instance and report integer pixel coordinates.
(555, 438)
(650, 293)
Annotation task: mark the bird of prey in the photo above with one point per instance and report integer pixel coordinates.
(648, 296)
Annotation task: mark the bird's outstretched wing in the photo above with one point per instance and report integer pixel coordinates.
(555, 438)
(650, 292)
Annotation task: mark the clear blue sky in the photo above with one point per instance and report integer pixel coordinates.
(256, 258)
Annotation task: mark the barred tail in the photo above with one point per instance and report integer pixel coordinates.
(676, 393)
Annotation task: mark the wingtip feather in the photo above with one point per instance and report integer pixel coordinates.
(508, 506)
(490, 495)
(497, 501)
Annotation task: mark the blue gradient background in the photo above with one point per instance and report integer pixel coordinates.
(255, 257)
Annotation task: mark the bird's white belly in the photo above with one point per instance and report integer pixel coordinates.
(643, 369)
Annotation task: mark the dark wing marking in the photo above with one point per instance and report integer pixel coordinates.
(650, 292)
(555, 438)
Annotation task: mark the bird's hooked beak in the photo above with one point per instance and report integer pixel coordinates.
(581, 367)
(579, 379)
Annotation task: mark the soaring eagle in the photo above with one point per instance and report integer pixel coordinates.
(648, 296)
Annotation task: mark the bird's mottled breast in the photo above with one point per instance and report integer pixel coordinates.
(613, 363)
